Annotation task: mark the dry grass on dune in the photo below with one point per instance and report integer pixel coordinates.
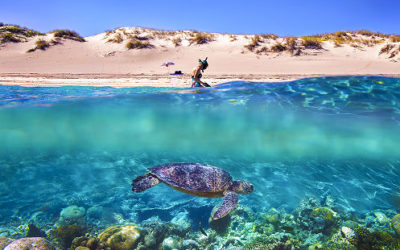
(138, 44)
(68, 34)
(201, 38)
(15, 33)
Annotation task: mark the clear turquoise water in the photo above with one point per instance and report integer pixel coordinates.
(314, 137)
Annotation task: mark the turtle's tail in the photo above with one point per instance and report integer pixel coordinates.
(144, 182)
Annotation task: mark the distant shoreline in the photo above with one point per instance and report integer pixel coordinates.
(142, 80)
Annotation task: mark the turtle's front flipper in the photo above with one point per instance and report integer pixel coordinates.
(144, 182)
(229, 203)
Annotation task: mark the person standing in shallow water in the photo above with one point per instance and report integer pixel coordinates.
(196, 74)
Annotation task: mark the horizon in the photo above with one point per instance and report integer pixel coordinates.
(286, 18)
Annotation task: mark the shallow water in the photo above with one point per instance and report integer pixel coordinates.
(337, 136)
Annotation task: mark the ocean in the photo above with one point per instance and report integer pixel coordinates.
(330, 142)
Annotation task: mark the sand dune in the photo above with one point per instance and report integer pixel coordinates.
(106, 56)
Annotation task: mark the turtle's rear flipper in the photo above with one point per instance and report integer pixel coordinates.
(229, 203)
(144, 182)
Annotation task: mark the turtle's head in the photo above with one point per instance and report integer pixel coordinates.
(242, 187)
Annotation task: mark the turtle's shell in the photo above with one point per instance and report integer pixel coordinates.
(193, 178)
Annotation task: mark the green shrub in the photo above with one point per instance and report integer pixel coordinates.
(137, 44)
(15, 29)
(14, 33)
(9, 37)
(68, 34)
(278, 47)
(201, 38)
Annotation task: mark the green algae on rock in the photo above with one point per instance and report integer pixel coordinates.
(66, 234)
(325, 213)
(396, 224)
(72, 215)
(122, 237)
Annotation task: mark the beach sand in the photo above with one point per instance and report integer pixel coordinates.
(98, 62)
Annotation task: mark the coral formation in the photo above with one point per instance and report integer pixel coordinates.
(396, 224)
(72, 215)
(91, 243)
(122, 237)
(4, 242)
(170, 243)
(66, 234)
(324, 213)
(33, 243)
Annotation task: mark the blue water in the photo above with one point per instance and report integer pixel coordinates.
(316, 137)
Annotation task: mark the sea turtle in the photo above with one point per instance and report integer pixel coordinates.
(196, 179)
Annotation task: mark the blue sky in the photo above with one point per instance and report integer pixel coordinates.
(282, 17)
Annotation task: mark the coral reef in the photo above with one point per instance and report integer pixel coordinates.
(311, 225)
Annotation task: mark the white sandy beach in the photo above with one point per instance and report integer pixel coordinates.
(99, 62)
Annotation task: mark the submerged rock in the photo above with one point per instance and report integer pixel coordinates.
(34, 243)
(150, 241)
(72, 215)
(121, 237)
(66, 234)
(396, 224)
(170, 243)
(86, 242)
(82, 248)
(190, 244)
(34, 231)
(182, 222)
(4, 242)
(348, 232)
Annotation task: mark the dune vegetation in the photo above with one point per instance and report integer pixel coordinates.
(15, 33)
(260, 44)
(68, 34)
